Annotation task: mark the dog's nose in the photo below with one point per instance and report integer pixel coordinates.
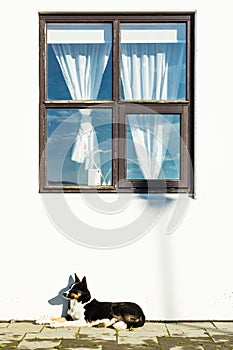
(65, 294)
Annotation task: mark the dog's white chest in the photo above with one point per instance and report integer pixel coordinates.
(76, 310)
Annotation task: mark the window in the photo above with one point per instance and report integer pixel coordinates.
(117, 102)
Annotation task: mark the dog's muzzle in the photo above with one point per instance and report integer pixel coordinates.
(70, 295)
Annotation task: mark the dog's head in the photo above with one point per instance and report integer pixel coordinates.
(78, 290)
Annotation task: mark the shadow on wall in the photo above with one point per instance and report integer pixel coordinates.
(168, 255)
(178, 205)
(173, 210)
(59, 299)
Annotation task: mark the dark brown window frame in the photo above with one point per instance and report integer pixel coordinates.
(119, 107)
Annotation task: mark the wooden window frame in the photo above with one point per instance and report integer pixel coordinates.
(120, 107)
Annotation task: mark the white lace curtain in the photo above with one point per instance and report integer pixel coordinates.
(83, 66)
(150, 72)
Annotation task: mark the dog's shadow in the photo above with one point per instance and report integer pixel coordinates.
(59, 299)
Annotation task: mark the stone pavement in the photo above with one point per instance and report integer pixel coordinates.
(153, 335)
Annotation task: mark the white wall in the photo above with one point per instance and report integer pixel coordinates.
(186, 274)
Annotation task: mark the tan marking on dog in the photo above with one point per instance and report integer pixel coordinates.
(58, 319)
(102, 325)
(75, 296)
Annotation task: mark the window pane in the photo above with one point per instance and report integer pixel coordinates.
(79, 61)
(153, 61)
(79, 147)
(153, 146)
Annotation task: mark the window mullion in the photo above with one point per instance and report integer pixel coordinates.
(42, 64)
(116, 98)
(116, 61)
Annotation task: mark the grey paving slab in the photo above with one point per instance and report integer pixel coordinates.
(4, 324)
(89, 342)
(180, 343)
(24, 327)
(6, 345)
(39, 344)
(137, 340)
(96, 348)
(90, 347)
(226, 326)
(130, 340)
(53, 333)
(98, 333)
(92, 338)
(224, 339)
(11, 336)
(157, 328)
(186, 330)
(144, 336)
(17, 330)
(222, 334)
(198, 325)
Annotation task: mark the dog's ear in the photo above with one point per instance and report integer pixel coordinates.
(76, 278)
(84, 282)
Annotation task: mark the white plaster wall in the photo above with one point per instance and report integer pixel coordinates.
(184, 275)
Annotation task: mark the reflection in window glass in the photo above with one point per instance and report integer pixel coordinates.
(79, 147)
(153, 146)
(79, 61)
(153, 61)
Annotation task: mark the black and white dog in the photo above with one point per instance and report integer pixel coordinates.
(86, 312)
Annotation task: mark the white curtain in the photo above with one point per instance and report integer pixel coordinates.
(150, 72)
(150, 135)
(83, 66)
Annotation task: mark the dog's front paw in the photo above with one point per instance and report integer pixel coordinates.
(43, 320)
(55, 325)
(76, 323)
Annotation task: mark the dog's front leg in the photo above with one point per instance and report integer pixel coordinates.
(76, 323)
